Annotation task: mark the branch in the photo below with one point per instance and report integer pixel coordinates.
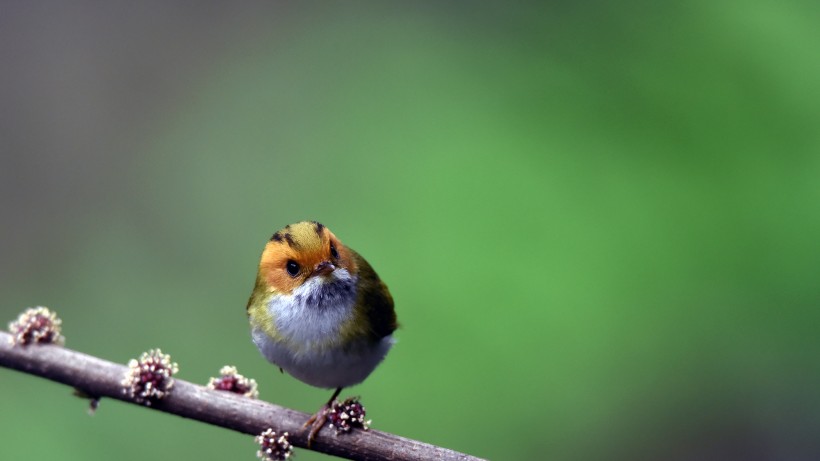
(100, 378)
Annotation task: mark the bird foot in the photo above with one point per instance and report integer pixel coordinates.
(316, 423)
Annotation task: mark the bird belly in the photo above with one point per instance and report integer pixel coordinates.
(332, 367)
(309, 340)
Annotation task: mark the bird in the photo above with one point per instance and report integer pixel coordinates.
(319, 312)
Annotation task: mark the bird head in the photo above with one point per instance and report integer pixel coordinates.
(305, 252)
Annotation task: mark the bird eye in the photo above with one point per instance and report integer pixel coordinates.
(292, 268)
(333, 251)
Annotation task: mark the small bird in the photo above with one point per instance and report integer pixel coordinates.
(319, 312)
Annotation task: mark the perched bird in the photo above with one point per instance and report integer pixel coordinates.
(319, 312)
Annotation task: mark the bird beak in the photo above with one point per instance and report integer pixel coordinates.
(323, 268)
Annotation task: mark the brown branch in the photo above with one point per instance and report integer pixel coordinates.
(100, 378)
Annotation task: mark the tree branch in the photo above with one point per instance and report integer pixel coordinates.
(101, 378)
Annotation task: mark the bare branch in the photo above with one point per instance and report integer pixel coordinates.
(100, 378)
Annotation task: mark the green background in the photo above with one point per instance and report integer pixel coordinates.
(600, 221)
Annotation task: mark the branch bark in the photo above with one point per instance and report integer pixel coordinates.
(100, 378)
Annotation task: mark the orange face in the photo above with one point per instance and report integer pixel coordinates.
(300, 251)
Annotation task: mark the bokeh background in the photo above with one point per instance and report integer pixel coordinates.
(600, 220)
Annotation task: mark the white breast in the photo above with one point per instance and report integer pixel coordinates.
(310, 321)
(312, 316)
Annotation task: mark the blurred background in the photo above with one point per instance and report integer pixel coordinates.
(599, 220)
